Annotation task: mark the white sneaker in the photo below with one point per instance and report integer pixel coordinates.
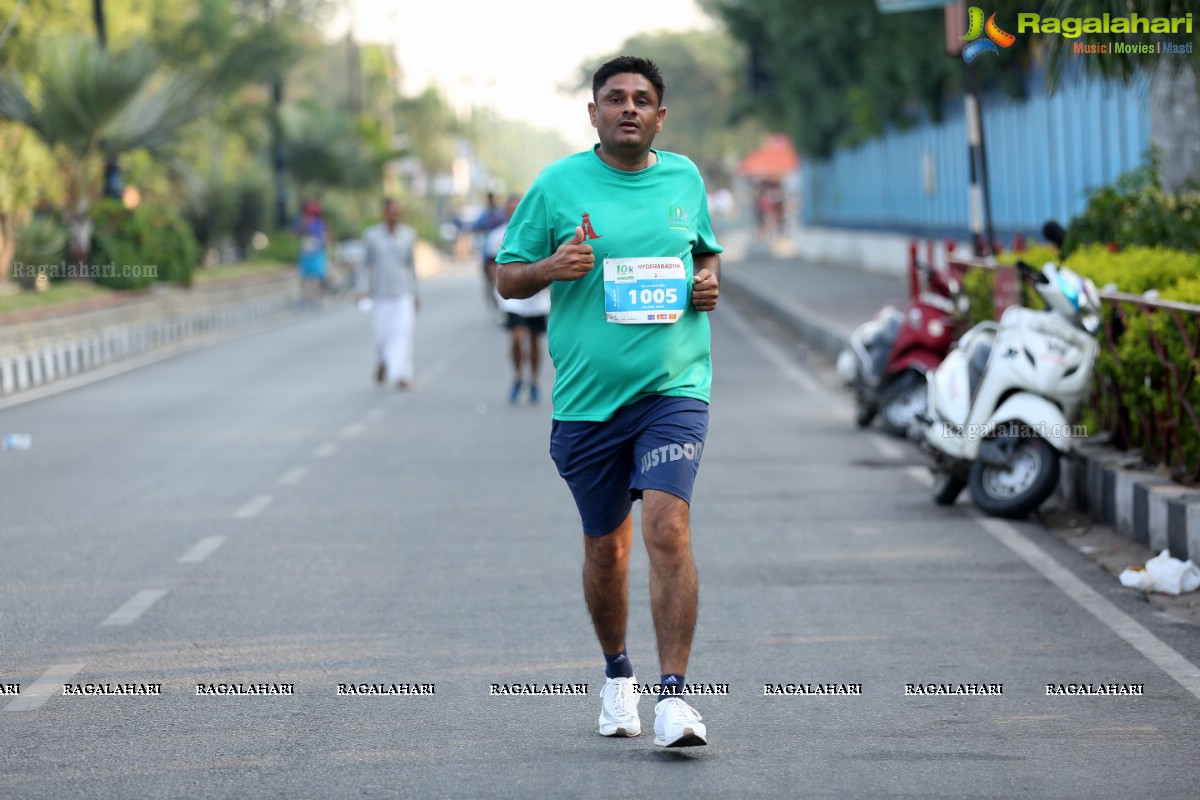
(676, 724)
(618, 708)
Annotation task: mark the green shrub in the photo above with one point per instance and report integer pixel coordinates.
(212, 213)
(1136, 269)
(135, 247)
(252, 210)
(1185, 291)
(1036, 255)
(283, 246)
(978, 285)
(42, 240)
(170, 244)
(1135, 211)
(117, 247)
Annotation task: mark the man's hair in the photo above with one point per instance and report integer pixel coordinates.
(622, 64)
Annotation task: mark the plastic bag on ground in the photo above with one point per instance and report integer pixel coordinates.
(1163, 573)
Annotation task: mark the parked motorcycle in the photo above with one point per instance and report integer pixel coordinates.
(889, 355)
(1002, 403)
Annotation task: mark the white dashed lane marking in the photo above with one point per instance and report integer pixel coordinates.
(50, 683)
(325, 450)
(292, 476)
(254, 506)
(134, 607)
(202, 550)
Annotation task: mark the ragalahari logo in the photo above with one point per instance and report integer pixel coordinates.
(977, 28)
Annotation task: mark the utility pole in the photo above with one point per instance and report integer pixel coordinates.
(979, 202)
(982, 232)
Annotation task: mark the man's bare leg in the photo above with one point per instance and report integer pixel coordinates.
(606, 584)
(516, 350)
(674, 591)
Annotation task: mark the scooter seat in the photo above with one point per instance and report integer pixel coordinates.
(878, 343)
(979, 352)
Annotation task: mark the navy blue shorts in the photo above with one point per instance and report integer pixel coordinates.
(654, 443)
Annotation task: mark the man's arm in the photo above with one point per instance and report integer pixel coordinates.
(706, 280)
(570, 262)
(363, 275)
(411, 266)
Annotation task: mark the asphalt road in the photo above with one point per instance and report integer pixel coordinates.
(257, 512)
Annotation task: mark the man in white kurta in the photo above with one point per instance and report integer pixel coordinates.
(389, 278)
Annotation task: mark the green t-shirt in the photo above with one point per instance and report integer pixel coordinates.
(657, 212)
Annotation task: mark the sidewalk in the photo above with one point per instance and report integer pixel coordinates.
(823, 304)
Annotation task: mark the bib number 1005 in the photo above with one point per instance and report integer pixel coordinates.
(656, 297)
(641, 291)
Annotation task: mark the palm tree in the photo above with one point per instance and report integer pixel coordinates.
(92, 105)
(328, 151)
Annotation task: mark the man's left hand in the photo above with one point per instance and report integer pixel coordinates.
(705, 289)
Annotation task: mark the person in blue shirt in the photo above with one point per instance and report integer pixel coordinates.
(313, 259)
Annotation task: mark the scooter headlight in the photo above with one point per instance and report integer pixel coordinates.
(936, 328)
(847, 366)
(1068, 284)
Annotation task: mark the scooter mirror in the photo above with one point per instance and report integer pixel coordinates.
(1054, 233)
(1030, 272)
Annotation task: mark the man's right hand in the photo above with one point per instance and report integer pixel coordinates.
(572, 260)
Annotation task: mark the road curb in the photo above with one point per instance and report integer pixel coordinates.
(67, 342)
(36, 363)
(815, 332)
(1101, 482)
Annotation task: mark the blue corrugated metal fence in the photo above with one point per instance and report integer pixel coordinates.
(1044, 154)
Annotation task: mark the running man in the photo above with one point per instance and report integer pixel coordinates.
(621, 233)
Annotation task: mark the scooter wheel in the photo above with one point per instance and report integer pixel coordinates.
(1019, 488)
(902, 401)
(946, 487)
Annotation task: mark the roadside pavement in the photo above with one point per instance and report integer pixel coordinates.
(822, 303)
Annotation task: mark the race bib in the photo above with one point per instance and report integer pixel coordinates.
(639, 291)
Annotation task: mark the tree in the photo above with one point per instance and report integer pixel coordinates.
(428, 124)
(93, 104)
(836, 74)
(328, 152)
(1059, 49)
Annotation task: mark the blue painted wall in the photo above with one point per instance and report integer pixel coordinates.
(1043, 153)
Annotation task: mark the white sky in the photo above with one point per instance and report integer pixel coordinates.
(512, 54)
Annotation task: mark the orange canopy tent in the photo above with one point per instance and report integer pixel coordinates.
(773, 160)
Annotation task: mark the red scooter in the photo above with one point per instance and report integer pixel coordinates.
(889, 355)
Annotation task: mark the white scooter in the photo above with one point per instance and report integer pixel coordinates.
(1002, 402)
